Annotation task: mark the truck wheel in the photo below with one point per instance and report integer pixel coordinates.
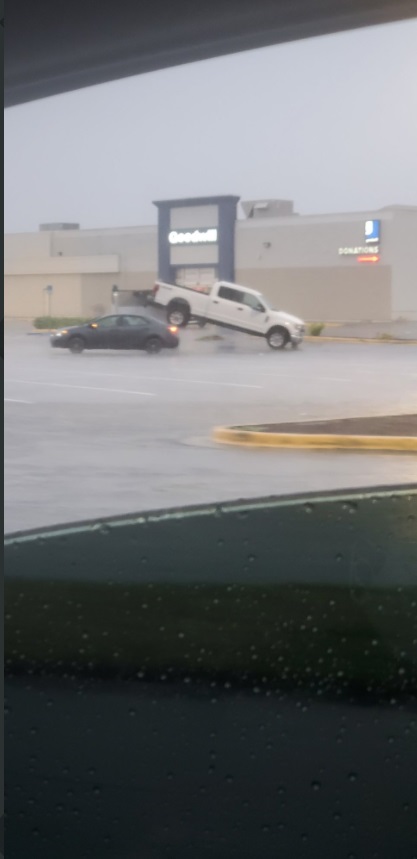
(277, 338)
(179, 315)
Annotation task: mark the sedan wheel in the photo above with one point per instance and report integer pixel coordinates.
(153, 345)
(76, 345)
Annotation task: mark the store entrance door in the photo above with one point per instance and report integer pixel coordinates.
(195, 278)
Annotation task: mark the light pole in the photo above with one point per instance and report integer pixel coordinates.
(115, 294)
(49, 290)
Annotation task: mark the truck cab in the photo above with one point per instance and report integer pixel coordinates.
(230, 306)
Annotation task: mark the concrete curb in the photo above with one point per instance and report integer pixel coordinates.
(252, 438)
(381, 342)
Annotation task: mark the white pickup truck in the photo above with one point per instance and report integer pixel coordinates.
(231, 306)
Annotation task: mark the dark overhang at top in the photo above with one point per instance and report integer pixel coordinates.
(196, 201)
(57, 46)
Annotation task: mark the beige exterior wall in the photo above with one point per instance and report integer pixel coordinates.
(137, 280)
(404, 282)
(22, 246)
(52, 266)
(310, 241)
(25, 297)
(325, 295)
(96, 295)
(295, 261)
(135, 247)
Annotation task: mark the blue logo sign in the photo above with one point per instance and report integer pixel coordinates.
(372, 231)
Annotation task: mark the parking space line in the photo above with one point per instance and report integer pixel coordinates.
(208, 382)
(187, 381)
(82, 387)
(296, 378)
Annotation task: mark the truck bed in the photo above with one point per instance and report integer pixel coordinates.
(196, 288)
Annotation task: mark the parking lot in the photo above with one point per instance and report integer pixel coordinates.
(107, 433)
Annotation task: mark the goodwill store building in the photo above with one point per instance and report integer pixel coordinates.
(339, 267)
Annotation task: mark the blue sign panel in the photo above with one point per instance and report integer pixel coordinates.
(372, 231)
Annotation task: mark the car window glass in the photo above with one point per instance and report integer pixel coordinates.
(107, 322)
(239, 296)
(135, 321)
(252, 301)
(229, 294)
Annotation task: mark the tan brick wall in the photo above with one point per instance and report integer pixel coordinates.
(96, 294)
(25, 298)
(326, 294)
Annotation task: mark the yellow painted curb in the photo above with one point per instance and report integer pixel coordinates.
(253, 438)
(310, 339)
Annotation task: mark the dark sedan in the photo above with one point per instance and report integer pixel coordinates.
(118, 332)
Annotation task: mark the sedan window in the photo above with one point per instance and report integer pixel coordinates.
(106, 322)
(135, 321)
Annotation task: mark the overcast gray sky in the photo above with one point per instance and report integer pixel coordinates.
(330, 123)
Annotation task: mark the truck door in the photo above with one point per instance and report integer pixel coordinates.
(193, 277)
(239, 309)
(253, 313)
(224, 306)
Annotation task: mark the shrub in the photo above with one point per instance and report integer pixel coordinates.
(45, 322)
(315, 329)
(385, 336)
